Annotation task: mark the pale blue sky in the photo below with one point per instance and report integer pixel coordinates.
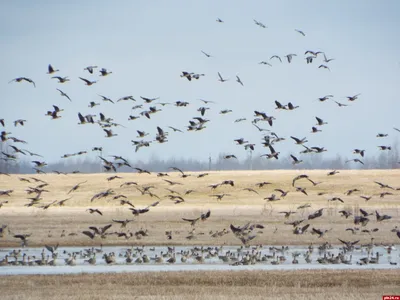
(146, 44)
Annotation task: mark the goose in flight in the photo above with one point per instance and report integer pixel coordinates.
(19, 79)
(290, 57)
(206, 54)
(322, 99)
(64, 94)
(358, 151)
(75, 187)
(290, 106)
(385, 147)
(301, 32)
(315, 129)
(90, 69)
(104, 72)
(320, 122)
(295, 160)
(259, 24)
(299, 141)
(94, 210)
(264, 63)
(187, 75)
(340, 104)
(109, 133)
(276, 56)
(352, 98)
(20, 122)
(238, 80)
(326, 60)
(221, 79)
(219, 20)
(88, 82)
(51, 70)
(309, 59)
(382, 135)
(324, 67)
(355, 160)
(61, 79)
(279, 105)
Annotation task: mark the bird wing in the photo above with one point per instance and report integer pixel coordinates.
(85, 80)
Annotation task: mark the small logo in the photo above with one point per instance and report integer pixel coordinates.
(391, 297)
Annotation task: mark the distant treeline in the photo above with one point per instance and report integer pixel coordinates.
(385, 160)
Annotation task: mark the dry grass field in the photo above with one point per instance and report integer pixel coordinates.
(320, 284)
(238, 207)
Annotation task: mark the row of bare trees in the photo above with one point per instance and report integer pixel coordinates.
(90, 163)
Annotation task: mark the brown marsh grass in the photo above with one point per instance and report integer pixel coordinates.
(238, 207)
(308, 284)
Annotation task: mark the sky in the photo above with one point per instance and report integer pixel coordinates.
(147, 44)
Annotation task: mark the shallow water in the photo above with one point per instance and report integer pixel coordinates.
(209, 264)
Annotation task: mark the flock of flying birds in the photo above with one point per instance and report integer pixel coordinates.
(149, 108)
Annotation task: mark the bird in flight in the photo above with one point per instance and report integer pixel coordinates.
(64, 94)
(19, 79)
(352, 98)
(88, 82)
(238, 80)
(301, 32)
(264, 63)
(221, 79)
(90, 69)
(260, 24)
(206, 54)
(324, 67)
(51, 69)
